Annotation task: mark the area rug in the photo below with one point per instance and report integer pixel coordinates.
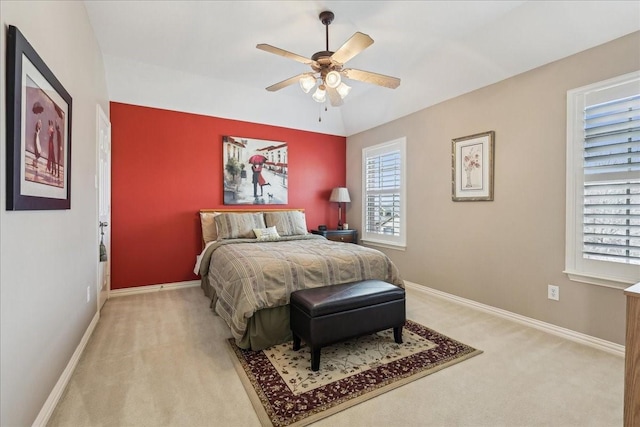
(286, 392)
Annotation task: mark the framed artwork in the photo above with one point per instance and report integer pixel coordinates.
(255, 171)
(472, 167)
(38, 131)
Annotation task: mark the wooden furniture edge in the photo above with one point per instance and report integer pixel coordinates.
(632, 358)
(633, 290)
(236, 210)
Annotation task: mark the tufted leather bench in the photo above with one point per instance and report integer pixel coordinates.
(325, 315)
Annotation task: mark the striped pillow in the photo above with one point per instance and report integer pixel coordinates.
(238, 225)
(288, 223)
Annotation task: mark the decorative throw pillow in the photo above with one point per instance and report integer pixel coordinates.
(269, 233)
(208, 224)
(238, 225)
(288, 223)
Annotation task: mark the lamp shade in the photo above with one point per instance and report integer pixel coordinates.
(343, 90)
(340, 195)
(307, 82)
(333, 79)
(320, 94)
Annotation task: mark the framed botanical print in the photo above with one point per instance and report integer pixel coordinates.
(38, 131)
(472, 167)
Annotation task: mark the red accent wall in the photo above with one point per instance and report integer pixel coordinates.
(166, 166)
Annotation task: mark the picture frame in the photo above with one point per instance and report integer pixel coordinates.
(38, 131)
(472, 167)
(254, 171)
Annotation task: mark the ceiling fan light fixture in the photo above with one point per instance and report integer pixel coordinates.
(328, 68)
(333, 79)
(320, 94)
(343, 90)
(307, 82)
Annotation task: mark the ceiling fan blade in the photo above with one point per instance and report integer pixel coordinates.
(369, 77)
(285, 83)
(334, 97)
(286, 54)
(356, 44)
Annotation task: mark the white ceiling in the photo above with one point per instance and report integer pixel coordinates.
(200, 56)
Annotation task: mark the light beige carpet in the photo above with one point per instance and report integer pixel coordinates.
(160, 359)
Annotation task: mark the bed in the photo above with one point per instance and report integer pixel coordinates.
(253, 259)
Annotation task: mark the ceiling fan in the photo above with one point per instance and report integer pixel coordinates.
(328, 70)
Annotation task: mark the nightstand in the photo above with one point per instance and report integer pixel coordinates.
(346, 236)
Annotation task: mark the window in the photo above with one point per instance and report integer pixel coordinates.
(603, 182)
(384, 213)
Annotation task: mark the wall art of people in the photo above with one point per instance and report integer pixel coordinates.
(44, 148)
(255, 171)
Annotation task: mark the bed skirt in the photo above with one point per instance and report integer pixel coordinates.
(267, 327)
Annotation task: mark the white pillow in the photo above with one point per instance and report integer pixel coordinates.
(269, 233)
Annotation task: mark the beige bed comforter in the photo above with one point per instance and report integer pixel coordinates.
(247, 275)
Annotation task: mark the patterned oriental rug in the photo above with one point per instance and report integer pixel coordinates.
(285, 392)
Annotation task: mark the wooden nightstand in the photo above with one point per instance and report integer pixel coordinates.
(346, 236)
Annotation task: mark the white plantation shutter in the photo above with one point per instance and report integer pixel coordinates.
(603, 181)
(383, 193)
(611, 222)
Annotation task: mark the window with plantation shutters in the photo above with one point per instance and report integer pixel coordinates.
(383, 202)
(603, 182)
(611, 222)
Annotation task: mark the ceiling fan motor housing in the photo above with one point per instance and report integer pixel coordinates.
(323, 63)
(326, 17)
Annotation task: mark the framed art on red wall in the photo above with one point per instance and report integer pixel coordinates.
(255, 171)
(38, 131)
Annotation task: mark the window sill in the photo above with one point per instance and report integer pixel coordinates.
(385, 245)
(607, 282)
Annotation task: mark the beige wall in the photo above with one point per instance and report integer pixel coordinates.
(49, 258)
(502, 253)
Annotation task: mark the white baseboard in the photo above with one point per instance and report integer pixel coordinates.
(153, 288)
(54, 397)
(600, 344)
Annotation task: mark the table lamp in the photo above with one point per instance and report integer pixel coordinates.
(340, 195)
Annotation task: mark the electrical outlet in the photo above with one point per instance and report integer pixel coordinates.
(553, 292)
(88, 293)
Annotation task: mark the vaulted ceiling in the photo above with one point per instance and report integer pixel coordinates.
(201, 56)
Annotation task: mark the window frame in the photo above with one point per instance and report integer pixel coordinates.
(377, 239)
(596, 272)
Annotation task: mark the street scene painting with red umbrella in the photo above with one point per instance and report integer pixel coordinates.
(255, 171)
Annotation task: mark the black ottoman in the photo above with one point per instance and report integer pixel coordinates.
(325, 315)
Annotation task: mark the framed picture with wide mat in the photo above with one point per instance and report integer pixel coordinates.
(38, 131)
